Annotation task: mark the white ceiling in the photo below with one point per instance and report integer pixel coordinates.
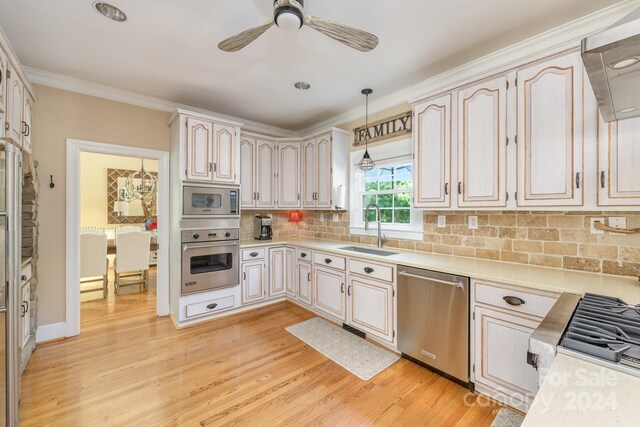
(168, 48)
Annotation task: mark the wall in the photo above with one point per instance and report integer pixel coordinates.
(549, 239)
(59, 115)
(93, 177)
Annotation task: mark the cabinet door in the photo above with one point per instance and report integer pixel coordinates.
(289, 175)
(310, 172)
(15, 108)
(28, 113)
(277, 272)
(3, 84)
(248, 172)
(324, 172)
(371, 307)
(550, 141)
(253, 282)
(199, 150)
(266, 174)
(502, 342)
(290, 271)
(432, 153)
(25, 324)
(224, 156)
(618, 160)
(482, 147)
(304, 282)
(330, 291)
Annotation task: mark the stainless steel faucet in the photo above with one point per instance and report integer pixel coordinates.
(366, 221)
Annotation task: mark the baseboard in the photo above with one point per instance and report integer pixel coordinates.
(50, 332)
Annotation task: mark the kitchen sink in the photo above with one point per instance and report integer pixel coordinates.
(378, 252)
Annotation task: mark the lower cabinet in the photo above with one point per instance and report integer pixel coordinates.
(501, 353)
(371, 307)
(254, 282)
(290, 271)
(25, 317)
(304, 283)
(277, 271)
(330, 291)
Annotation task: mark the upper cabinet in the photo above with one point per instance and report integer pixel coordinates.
(326, 170)
(199, 150)
(224, 154)
(618, 160)
(15, 103)
(550, 139)
(257, 172)
(247, 172)
(27, 114)
(289, 175)
(3, 85)
(432, 153)
(482, 147)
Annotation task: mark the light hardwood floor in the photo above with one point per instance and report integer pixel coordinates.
(130, 368)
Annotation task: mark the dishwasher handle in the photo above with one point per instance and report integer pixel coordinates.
(459, 285)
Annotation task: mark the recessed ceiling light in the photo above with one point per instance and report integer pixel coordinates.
(302, 85)
(627, 110)
(624, 63)
(110, 11)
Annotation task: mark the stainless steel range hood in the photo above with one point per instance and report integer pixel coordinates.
(612, 61)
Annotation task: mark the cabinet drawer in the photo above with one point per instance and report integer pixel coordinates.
(333, 261)
(371, 269)
(304, 254)
(535, 303)
(210, 306)
(253, 254)
(25, 274)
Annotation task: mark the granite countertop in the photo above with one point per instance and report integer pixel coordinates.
(535, 277)
(580, 393)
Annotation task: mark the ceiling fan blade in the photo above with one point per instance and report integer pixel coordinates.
(352, 37)
(237, 42)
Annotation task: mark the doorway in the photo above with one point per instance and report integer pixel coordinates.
(112, 215)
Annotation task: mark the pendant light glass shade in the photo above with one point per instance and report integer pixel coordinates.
(367, 163)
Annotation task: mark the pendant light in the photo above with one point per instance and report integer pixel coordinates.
(146, 190)
(367, 163)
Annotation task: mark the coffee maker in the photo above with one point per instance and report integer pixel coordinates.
(262, 227)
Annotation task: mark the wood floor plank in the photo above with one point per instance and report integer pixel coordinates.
(129, 367)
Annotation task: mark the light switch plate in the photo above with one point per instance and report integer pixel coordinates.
(336, 218)
(473, 222)
(442, 221)
(321, 217)
(618, 222)
(595, 230)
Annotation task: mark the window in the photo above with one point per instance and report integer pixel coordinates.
(389, 185)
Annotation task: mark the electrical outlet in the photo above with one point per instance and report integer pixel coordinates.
(595, 230)
(336, 218)
(618, 222)
(322, 217)
(473, 222)
(442, 221)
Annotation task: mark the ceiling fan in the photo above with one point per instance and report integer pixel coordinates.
(289, 15)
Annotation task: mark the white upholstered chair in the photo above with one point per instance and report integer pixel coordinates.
(132, 259)
(94, 263)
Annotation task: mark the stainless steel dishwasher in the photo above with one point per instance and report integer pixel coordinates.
(433, 321)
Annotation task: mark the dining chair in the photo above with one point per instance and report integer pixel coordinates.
(94, 263)
(131, 264)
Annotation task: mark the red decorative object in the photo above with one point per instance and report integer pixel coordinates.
(153, 225)
(294, 217)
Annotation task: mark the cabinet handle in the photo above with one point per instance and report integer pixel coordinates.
(210, 166)
(349, 290)
(446, 189)
(342, 288)
(253, 254)
(257, 196)
(303, 255)
(6, 126)
(578, 180)
(215, 167)
(24, 128)
(24, 310)
(328, 260)
(298, 196)
(212, 306)
(28, 130)
(368, 270)
(459, 187)
(308, 277)
(602, 179)
(515, 301)
(244, 276)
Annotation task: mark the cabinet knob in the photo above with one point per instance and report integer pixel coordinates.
(511, 300)
(303, 255)
(212, 306)
(368, 270)
(328, 260)
(253, 254)
(23, 277)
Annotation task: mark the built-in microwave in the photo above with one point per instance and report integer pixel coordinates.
(210, 201)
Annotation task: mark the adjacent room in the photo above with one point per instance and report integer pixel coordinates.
(319, 213)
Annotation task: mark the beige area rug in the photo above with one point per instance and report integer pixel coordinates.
(507, 418)
(356, 355)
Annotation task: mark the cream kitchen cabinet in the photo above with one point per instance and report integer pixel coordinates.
(482, 148)
(225, 169)
(432, 153)
(618, 160)
(199, 150)
(257, 172)
(25, 316)
(254, 278)
(289, 175)
(27, 115)
(330, 291)
(304, 282)
(14, 128)
(3, 85)
(550, 133)
(278, 273)
(371, 306)
(290, 272)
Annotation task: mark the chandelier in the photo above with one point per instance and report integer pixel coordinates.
(367, 163)
(142, 185)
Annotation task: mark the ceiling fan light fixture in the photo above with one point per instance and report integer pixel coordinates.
(109, 11)
(289, 19)
(302, 85)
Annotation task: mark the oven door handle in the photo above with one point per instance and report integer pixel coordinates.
(187, 246)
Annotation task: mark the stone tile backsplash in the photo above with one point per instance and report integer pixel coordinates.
(550, 239)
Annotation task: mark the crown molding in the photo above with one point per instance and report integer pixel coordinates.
(560, 38)
(84, 87)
